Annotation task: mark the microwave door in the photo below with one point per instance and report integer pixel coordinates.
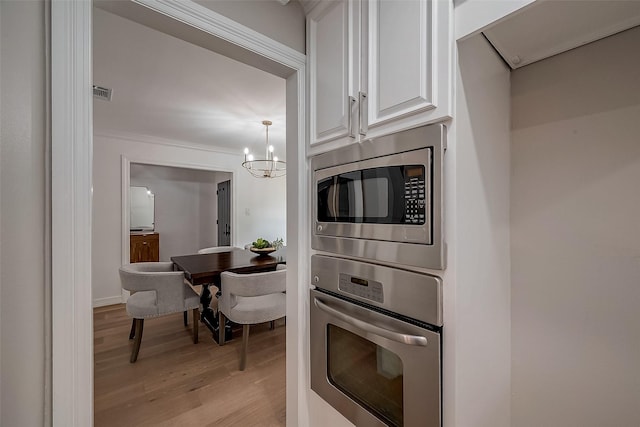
(333, 197)
(350, 197)
(327, 199)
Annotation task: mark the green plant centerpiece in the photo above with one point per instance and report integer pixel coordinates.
(264, 247)
(261, 243)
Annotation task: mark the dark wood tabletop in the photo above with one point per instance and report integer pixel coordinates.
(206, 268)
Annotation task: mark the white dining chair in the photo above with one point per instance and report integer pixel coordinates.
(217, 249)
(158, 291)
(249, 299)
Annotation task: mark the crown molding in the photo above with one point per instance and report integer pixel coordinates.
(220, 26)
(148, 139)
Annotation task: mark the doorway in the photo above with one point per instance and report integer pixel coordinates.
(72, 327)
(224, 213)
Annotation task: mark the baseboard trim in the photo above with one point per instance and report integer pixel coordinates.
(101, 302)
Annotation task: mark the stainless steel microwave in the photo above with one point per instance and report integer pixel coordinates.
(382, 199)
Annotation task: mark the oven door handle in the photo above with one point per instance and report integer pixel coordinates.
(368, 327)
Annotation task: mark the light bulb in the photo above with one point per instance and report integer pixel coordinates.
(246, 151)
(250, 157)
(275, 158)
(271, 148)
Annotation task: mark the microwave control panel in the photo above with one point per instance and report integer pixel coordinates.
(362, 288)
(414, 195)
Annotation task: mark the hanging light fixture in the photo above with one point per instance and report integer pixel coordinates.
(270, 166)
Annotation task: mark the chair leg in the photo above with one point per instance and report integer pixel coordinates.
(221, 325)
(245, 343)
(196, 316)
(136, 343)
(185, 316)
(133, 329)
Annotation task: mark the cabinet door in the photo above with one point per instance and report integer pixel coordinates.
(144, 248)
(402, 74)
(333, 52)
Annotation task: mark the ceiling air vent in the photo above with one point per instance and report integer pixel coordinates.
(102, 93)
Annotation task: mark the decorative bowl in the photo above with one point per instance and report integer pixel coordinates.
(263, 251)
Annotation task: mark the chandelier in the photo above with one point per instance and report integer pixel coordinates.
(270, 166)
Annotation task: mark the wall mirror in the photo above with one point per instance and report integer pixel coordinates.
(141, 209)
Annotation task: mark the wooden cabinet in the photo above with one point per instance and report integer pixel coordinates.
(144, 247)
(377, 67)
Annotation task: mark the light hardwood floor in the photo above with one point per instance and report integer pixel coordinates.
(178, 383)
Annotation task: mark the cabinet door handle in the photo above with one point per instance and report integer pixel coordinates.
(350, 102)
(363, 113)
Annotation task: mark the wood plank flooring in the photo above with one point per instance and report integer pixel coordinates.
(178, 383)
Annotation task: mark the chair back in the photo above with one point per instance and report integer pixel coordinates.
(216, 249)
(158, 277)
(250, 285)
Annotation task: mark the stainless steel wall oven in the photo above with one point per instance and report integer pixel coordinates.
(382, 199)
(375, 342)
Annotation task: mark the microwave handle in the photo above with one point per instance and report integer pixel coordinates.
(350, 101)
(368, 327)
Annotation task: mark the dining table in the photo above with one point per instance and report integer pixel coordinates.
(205, 269)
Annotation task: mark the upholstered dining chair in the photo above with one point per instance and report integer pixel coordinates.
(249, 299)
(216, 249)
(158, 291)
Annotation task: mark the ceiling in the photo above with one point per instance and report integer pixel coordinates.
(547, 28)
(168, 89)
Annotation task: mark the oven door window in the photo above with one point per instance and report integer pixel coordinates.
(382, 195)
(367, 373)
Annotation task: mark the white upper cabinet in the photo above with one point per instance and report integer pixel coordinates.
(333, 36)
(377, 67)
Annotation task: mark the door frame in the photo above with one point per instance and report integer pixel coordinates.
(126, 183)
(71, 381)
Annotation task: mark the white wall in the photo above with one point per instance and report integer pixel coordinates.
(185, 206)
(24, 156)
(258, 206)
(576, 237)
(285, 24)
(477, 387)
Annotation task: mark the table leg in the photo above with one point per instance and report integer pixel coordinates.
(208, 316)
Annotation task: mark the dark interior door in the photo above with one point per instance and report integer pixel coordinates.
(224, 213)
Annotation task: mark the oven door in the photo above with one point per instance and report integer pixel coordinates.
(374, 369)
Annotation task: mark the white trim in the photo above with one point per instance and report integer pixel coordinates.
(298, 207)
(125, 232)
(126, 183)
(308, 5)
(71, 177)
(102, 302)
(71, 194)
(220, 26)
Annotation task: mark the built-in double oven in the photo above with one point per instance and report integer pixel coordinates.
(375, 313)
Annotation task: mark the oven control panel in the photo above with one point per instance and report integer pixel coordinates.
(362, 288)
(408, 293)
